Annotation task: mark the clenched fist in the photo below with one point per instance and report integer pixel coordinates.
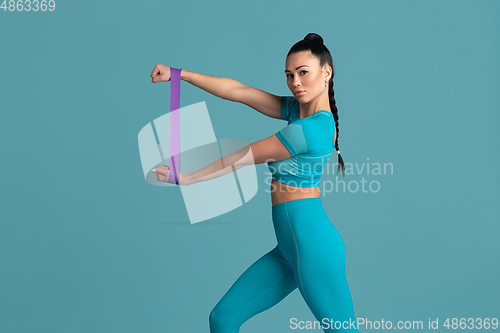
(162, 173)
(160, 73)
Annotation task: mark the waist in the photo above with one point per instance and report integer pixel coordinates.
(306, 206)
(284, 193)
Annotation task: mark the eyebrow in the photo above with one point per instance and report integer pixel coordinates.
(286, 70)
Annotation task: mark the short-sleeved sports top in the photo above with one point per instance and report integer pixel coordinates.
(310, 141)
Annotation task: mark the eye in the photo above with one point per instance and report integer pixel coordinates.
(302, 71)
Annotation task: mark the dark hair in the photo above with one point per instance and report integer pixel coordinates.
(314, 43)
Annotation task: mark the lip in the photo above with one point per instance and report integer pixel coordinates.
(299, 92)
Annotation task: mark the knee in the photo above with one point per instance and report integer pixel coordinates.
(213, 317)
(219, 321)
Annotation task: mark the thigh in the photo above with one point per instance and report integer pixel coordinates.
(264, 284)
(320, 267)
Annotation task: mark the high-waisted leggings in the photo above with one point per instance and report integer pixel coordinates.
(310, 255)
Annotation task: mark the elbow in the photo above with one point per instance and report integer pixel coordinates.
(236, 89)
(244, 157)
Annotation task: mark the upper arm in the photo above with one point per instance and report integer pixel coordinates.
(267, 150)
(260, 100)
(288, 142)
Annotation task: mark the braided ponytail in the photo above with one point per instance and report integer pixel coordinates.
(333, 107)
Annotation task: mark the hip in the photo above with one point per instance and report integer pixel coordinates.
(304, 224)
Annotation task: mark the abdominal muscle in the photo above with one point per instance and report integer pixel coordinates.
(283, 193)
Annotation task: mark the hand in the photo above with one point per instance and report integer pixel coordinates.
(161, 73)
(162, 173)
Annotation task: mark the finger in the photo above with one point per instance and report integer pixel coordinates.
(154, 78)
(161, 169)
(156, 71)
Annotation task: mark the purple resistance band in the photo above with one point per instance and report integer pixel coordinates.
(175, 136)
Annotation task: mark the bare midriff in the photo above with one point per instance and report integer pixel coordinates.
(283, 193)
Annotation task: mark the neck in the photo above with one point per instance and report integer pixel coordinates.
(321, 102)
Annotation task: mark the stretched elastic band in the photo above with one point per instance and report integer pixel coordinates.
(175, 104)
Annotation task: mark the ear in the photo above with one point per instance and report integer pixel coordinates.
(328, 72)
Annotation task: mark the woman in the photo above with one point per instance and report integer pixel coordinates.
(310, 254)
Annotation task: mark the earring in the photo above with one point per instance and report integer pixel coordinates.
(326, 84)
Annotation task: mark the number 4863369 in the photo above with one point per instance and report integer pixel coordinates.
(28, 5)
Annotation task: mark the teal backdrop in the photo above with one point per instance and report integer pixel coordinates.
(87, 245)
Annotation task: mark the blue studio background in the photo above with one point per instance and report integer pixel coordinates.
(87, 245)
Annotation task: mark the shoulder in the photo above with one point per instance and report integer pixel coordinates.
(290, 108)
(319, 118)
(318, 131)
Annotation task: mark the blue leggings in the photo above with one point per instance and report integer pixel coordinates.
(310, 255)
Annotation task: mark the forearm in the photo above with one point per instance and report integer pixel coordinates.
(220, 167)
(222, 87)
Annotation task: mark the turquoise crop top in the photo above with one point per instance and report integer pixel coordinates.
(309, 140)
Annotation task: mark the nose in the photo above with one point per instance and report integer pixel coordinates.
(296, 82)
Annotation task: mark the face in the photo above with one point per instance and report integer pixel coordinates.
(304, 77)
